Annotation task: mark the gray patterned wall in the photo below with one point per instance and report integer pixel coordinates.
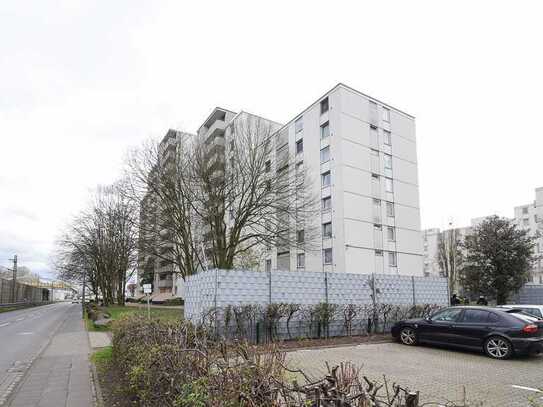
(530, 294)
(240, 287)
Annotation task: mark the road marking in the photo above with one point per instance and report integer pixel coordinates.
(6, 324)
(527, 388)
(19, 319)
(25, 333)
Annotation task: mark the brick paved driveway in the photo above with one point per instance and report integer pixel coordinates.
(435, 372)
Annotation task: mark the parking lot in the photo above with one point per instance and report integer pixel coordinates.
(439, 374)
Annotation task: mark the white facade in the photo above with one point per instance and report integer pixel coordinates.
(530, 217)
(361, 154)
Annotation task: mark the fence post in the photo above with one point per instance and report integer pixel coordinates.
(413, 285)
(270, 286)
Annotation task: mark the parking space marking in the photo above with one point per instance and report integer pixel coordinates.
(516, 386)
(6, 324)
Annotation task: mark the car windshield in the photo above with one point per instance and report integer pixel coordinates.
(523, 315)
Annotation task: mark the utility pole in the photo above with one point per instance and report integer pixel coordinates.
(14, 280)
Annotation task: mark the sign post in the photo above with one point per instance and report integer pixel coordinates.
(147, 289)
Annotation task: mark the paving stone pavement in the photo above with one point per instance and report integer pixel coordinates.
(439, 374)
(99, 339)
(60, 376)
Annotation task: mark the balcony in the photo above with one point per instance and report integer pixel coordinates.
(168, 282)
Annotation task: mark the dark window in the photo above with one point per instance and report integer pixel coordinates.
(475, 316)
(450, 314)
(299, 146)
(325, 130)
(324, 105)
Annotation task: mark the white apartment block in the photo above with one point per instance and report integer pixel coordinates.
(430, 243)
(361, 156)
(363, 153)
(530, 217)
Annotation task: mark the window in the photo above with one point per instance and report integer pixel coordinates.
(525, 210)
(388, 185)
(298, 125)
(526, 222)
(379, 253)
(300, 260)
(374, 153)
(325, 130)
(326, 179)
(327, 229)
(327, 254)
(532, 311)
(391, 234)
(300, 146)
(387, 137)
(268, 166)
(325, 154)
(374, 136)
(388, 161)
(390, 209)
(475, 316)
(392, 259)
(386, 114)
(327, 203)
(300, 236)
(324, 105)
(268, 265)
(448, 315)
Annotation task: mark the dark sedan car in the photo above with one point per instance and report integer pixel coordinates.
(499, 332)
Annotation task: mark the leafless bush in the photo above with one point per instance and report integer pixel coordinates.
(174, 364)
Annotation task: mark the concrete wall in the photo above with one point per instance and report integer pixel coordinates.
(219, 288)
(23, 292)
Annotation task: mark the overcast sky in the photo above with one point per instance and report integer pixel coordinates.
(81, 81)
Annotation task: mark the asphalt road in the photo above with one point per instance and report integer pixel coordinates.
(23, 335)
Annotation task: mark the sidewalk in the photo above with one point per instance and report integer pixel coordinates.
(60, 376)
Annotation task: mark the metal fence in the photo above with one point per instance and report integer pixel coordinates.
(250, 322)
(529, 294)
(21, 293)
(215, 289)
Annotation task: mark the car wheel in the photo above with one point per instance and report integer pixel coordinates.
(498, 348)
(408, 336)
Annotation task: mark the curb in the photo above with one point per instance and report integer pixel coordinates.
(97, 394)
(340, 345)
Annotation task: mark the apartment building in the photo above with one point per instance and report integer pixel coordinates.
(431, 239)
(156, 264)
(360, 154)
(530, 217)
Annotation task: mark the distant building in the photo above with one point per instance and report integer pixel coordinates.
(530, 217)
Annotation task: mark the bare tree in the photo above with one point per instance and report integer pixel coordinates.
(206, 203)
(449, 256)
(256, 196)
(100, 243)
(159, 181)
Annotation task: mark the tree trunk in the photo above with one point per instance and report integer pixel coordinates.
(501, 298)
